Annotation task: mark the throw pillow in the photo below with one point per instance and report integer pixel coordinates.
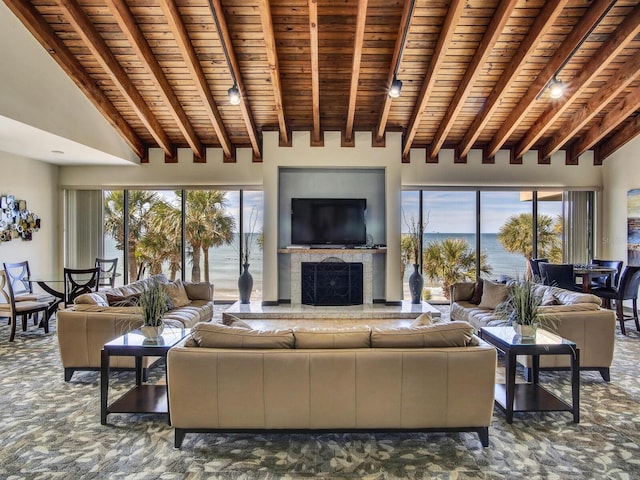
(123, 301)
(445, 334)
(424, 319)
(233, 321)
(177, 294)
(91, 299)
(493, 294)
(477, 292)
(549, 298)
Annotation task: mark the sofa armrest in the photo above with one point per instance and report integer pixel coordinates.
(199, 291)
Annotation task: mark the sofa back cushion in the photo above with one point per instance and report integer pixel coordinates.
(356, 337)
(444, 334)
(217, 335)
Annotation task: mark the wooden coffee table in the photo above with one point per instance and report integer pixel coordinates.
(143, 397)
(532, 397)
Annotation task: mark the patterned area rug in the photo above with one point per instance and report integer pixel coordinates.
(51, 429)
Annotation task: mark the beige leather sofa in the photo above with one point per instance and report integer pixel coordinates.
(576, 316)
(84, 328)
(225, 378)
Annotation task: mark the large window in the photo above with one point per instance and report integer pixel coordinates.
(451, 250)
(190, 234)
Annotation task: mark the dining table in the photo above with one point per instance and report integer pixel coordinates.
(588, 271)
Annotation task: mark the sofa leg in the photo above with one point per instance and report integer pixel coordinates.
(606, 375)
(179, 437)
(68, 373)
(483, 434)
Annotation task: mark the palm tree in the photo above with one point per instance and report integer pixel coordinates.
(140, 203)
(516, 236)
(452, 260)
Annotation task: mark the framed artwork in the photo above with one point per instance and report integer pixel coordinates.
(633, 227)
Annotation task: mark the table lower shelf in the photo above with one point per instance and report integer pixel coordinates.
(142, 399)
(531, 397)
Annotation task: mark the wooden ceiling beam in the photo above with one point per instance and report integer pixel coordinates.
(129, 26)
(623, 136)
(543, 22)
(192, 62)
(237, 73)
(405, 21)
(41, 30)
(358, 42)
(489, 39)
(109, 63)
(606, 94)
(444, 40)
(610, 122)
(607, 52)
(316, 137)
(264, 8)
(573, 39)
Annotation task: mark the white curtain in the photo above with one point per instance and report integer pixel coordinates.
(578, 226)
(83, 228)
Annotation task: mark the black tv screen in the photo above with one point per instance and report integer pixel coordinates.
(328, 221)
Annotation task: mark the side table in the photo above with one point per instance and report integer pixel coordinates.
(143, 397)
(532, 397)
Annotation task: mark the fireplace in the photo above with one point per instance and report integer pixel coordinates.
(332, 283)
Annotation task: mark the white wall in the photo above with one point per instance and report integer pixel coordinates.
(620, 174)
(36, 182)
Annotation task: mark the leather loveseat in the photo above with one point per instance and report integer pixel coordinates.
(573, 315)
(97, 318)
(226, 378)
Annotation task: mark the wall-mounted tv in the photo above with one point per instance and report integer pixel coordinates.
(328, 221)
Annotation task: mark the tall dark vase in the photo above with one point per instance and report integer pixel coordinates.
(245, 284)
(416, 282)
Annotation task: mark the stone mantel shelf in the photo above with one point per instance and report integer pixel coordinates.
(329, 251)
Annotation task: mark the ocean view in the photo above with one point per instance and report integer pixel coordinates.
(224, 269)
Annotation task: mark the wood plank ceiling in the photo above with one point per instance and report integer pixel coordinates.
(474, 72)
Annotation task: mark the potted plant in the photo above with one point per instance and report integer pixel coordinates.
(521, 308)
(153, 303)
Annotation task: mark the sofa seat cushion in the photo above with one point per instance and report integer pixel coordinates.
(355, 337)
(443, 334)
(189, 315)
(217, 335)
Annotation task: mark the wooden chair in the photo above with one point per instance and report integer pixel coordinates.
(627, 290)
(79, 281)
(22, 309)
(19, 275)
(107, 271)
(559, 275)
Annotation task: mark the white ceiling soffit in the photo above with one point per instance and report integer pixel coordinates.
(21, 139)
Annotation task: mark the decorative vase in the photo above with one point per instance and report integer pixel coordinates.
(152, 332)
(245, 284)
(525, 331)
(416, 283)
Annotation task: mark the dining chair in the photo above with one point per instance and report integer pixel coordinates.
(19, 275)
(534, 263)
(78, 281)
(22, 309)
(107, 271)
(607, 280)
(626, 290)
(559, 275)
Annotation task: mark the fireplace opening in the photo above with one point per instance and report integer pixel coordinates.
(332, 283)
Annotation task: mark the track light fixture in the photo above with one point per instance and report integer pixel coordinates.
(556, 88)
(396, 88)
(234, 95)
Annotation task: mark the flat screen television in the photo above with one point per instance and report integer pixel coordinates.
(328, 221)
